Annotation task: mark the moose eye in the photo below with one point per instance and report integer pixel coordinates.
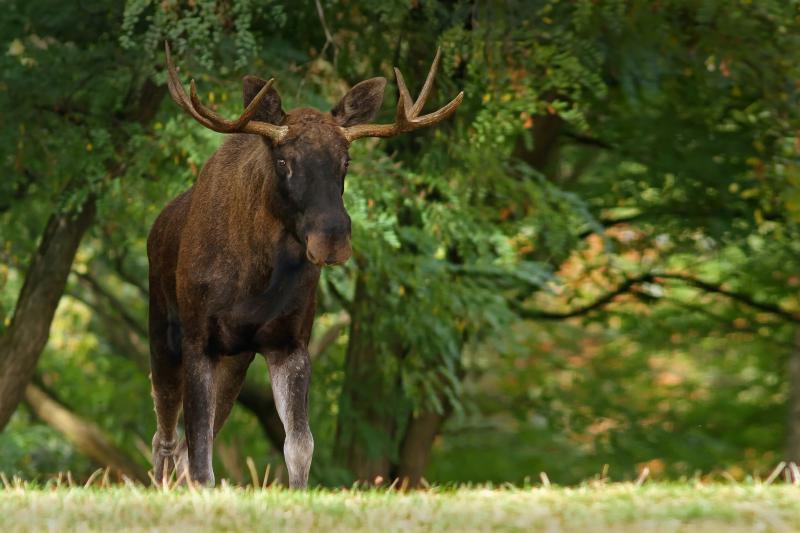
(282, 163)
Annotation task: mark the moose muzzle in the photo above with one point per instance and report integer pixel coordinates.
(330, 245)
(326, 249)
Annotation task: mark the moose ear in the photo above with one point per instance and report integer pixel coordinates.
(361, 103)
(269, 110)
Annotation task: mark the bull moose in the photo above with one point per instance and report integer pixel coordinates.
(235, 260)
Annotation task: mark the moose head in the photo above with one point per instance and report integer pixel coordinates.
(309, 149)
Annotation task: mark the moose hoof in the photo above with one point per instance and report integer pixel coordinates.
(169, 459)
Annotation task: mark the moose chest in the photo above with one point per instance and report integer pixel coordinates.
(267, 313)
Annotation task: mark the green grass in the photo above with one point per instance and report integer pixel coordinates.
(615, 507)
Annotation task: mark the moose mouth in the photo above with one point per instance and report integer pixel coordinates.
(328, 250)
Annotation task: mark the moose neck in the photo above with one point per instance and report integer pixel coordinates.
(245, 185)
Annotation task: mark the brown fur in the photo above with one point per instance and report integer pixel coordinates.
(234, 266)
(235, 263)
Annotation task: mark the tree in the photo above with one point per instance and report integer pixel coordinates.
(566, 91)
(617, 192)
(53, 122)
(106, 98)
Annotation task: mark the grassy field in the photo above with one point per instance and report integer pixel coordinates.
(612, 507)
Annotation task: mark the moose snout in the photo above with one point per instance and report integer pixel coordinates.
(328, 248)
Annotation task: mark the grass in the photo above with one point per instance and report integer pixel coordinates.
(598, 507)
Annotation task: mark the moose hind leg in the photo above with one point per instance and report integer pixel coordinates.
(230, 376)
(166, 375)
(291, 375)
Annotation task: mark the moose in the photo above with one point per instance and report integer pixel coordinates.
(235, 260)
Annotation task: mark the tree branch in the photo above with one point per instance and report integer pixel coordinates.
(125, 342)
(586, 140)
(318, 347)
(99, 291)
(328, 37)
(45, 279)
(339, 297)
(83, 434)
(723, 320)
(746, 299)
(118, 267)
(629, 286)
(259, 401)
(625, 287)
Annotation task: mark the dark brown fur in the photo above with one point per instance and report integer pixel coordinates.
(235, 261)
(234, 266)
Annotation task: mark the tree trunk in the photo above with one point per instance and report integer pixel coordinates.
(366, 425)
(372, 403)
(543, 155)
(793, 422)
(415, 451)
(26, 336)
(87, 438)
(46, 278)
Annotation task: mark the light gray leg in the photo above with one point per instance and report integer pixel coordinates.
(291, 375)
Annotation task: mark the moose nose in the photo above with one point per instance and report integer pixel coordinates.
(328, 249)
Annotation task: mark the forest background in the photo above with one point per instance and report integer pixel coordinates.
(593, 267)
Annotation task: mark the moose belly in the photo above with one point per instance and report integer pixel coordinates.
(277, 335)
(225, 338)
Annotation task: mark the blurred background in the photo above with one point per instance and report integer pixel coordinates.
(592, 269)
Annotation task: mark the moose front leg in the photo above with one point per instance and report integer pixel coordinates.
(291, 375)
(198, 411)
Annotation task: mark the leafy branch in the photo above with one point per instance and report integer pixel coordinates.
(630, 286)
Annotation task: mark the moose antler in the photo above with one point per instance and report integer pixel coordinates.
(407, 117)
(214, 121)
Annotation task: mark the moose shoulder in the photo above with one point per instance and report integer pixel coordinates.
(235, 261)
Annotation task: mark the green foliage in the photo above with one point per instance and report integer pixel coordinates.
(597, 141)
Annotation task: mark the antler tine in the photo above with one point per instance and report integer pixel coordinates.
(178, 93)
(404, 102)
(212, 120)
(407, 116)
(426, 88)
(230, 126)
(441, 114)
(172, 79)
